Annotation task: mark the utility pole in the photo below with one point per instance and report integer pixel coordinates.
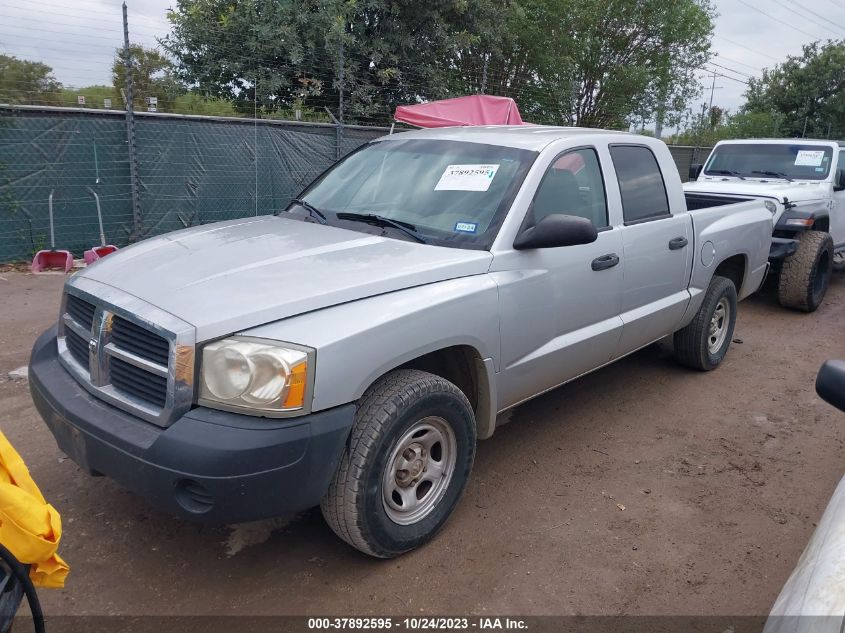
(713, 89)
(130, 134)
(340, 80)
(255, 137)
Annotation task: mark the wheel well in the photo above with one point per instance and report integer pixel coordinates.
(822, 224)
(733, 268)
(456, 364)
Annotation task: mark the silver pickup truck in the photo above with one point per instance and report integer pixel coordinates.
(350, 350)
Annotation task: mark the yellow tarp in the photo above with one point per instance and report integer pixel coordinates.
(30, 527)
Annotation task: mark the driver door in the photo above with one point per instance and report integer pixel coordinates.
(559, 307)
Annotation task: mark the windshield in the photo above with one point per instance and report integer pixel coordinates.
(770, 160)
(450, 193)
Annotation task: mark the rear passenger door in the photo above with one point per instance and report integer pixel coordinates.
(657, 249)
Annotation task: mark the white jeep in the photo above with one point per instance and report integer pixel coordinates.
(808, 178)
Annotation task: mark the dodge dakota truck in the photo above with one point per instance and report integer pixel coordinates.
(350, 350)
(807, 177)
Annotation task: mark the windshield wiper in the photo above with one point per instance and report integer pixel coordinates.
(726, 172)
(776, 174)
(313, 211)
(379, 220)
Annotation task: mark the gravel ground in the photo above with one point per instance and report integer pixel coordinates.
(642, 488)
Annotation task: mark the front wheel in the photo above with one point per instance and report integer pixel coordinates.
(805, 274)
(704, 342)
(408, 461)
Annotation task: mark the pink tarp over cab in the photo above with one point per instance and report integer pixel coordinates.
(469, 110)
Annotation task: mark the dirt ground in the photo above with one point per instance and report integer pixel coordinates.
(643, 488)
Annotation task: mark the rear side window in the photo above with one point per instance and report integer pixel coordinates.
(640, 183)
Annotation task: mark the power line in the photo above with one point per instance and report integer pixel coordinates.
(746, 75)
(722, 37)
(734, 61)
(823, 17)
(771, 17)
(803, 16)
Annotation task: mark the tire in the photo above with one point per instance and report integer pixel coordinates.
(804, 276)
(696, 345)
(364, 504)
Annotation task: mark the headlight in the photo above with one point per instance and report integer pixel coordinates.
(254, 374)
(771, 206)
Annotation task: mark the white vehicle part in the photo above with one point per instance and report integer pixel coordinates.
(816, 587)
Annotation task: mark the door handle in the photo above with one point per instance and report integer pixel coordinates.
(677, 242)
(605, 261)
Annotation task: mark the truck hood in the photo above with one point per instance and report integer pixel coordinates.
(227, 277)
(795, 191)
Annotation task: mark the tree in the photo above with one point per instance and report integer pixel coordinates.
(806, 92)
(152, 76)
(27, 82)
(95, 97)
(614, 59)
(302, 52)
(583, 62)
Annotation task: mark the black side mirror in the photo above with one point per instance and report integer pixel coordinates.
(839, 183)
(830, 383)
(695, 171)
(557, 230)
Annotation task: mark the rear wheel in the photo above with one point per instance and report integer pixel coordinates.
(407, 463)
(704, 342)
(804, 275)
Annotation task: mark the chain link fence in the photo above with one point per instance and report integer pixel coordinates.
(191, 170)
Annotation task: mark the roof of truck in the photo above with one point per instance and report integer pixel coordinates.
(789, 141)
(532, 137)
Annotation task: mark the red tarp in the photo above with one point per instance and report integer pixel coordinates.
(470, 110)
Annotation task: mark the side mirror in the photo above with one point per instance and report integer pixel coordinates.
(557, 230)
(839, 183)
(830, 383)
(695, 171)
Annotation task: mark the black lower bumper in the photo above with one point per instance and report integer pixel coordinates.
(781, 248)
(209, 465)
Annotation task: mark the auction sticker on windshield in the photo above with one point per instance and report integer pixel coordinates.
(466, 178)
(809, 158)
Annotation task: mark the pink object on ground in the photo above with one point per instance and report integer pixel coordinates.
(98, 252)
(469, 110)
(52, 260)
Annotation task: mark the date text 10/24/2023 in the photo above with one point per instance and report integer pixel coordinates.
(417, 623)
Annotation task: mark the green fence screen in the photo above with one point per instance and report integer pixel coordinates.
(191, 170)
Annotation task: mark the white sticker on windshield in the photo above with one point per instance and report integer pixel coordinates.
(809, 157)
(466, 178)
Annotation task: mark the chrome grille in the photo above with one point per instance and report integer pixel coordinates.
(78, 348)
(136, 340)
(125, 351)
(81, 311)
(138, 383)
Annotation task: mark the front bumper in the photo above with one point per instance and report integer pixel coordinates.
(209, 465)
(781, 248)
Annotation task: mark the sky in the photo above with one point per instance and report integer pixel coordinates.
(77, 38)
